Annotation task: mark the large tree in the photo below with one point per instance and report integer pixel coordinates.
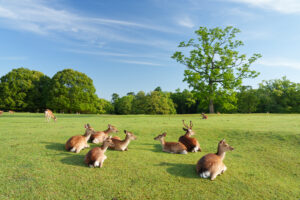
(23, 90)
(72, 91)
(214, 62)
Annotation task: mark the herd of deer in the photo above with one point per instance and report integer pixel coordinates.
(210, 165)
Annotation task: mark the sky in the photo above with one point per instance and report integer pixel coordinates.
(126, 45)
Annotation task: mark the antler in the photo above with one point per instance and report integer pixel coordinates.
(191, 124)
(185, 124)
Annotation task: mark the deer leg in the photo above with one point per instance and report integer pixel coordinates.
(213, 176)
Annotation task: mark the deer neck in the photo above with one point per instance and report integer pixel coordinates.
(125, 142)
(108, 131)
(162, 142)
(87, 136)
(187, 134)
(104, 146)
(221, 153)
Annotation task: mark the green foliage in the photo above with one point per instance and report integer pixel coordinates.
(123, 105)
(185, 101)
(247, 100)
(104, 107)
(215, 63)
(72, 91)
(23, 90)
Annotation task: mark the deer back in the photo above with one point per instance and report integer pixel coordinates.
(189, 142)
(93, 155)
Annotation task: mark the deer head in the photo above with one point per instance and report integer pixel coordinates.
(159, 137)
(88, 130)
(188, 129)
(223, 146)
(112, 128)
(130, 135)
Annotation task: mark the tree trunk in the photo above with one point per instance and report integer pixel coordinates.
(211, 106)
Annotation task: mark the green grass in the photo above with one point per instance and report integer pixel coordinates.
(264, 165)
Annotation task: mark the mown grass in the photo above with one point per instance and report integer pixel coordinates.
(264, 165)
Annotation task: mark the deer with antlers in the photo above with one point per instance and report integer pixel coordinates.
(190, 143)
(204, 116)
(79, 142)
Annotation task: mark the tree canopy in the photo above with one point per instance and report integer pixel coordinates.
(214, 64)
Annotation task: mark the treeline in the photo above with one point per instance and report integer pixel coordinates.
(70, 91)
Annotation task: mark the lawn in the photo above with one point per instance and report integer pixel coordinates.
(264, 165)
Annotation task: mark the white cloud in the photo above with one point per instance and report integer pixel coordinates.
(282, 6)
(186, 22)
(280, 62)
(139, 62)
(37, 17)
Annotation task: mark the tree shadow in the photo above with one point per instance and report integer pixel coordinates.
(74, 160)
(179, 169)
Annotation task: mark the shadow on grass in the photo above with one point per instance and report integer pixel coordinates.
(55, 146)
(182, 170)
(75, 160)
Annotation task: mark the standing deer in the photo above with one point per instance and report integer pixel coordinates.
(96, 156)
(204, 116)
(11, 112)
(211, 165)
(1, 112)
(190, 143)
(79, 142)
(49, 114)
(122, 145)
(171, 147)
(100, 136)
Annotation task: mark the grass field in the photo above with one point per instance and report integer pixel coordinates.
(264, 165)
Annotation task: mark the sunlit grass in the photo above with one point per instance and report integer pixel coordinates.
(264, 165)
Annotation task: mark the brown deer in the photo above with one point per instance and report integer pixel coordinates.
(79, 142)
(49, 114)
(211, 165)
(11, 112)
(96, 156)
(1, 112)
(191, 144)
(100, 136)
(171, 147)
(122, 145)
(204, 116)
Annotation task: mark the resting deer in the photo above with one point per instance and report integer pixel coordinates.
(191, 144)
(79, 142)
(49, 114)
(100, 136)
(171, 147)
(204, 116)
(211, 165)
(96, 156)
(1, 112)
(121, 145)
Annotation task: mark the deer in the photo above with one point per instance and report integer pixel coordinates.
(122, 145)
(204, 116)
(171, 147)
(100, 136)
(1, 112)
(211, 165)
(11, 112)
(79, 142)
(191, 144)
(96, 156)
(49, 114)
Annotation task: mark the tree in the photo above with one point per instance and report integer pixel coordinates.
(138, 104)
(185, 101)
(123, 105)
(72, 91)
(214, 62)
(159, 103)
(23, 90)
(104, 107)
(247, 99)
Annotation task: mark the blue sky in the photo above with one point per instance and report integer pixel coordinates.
(125, 45)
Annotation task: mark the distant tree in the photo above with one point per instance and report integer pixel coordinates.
(159, 103)
(185, 101)
(158, 89)
(279, 96)
(131, 93)
(114, 97)
(72, 91)
(138, 104)
(123, 105)
(214, 62)
(104, 107)
(247, 99)
(23, 90)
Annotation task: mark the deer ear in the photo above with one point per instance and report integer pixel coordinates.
(109, 137)
(85, 126)
(184, 129)
(125, 131)
(164, 134)
(109, 125)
